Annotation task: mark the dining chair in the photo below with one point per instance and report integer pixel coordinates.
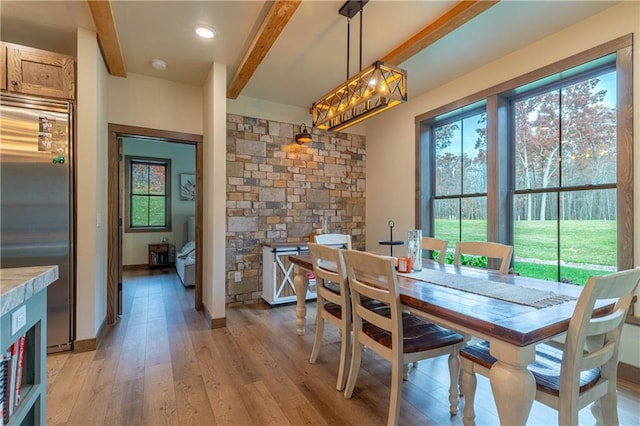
(333, 240)
(395, 335)
(436, 244)
(490, 250)
(333, 302)
(584, 370)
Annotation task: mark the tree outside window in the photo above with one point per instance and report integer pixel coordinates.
(460, 199)
(148, 201)
(559, 205)
(565, 153)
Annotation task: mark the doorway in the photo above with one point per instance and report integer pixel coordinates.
(114, 209)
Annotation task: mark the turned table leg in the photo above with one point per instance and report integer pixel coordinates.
(513, 386)
(301, 283)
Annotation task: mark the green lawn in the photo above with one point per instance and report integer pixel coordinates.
(589, 244)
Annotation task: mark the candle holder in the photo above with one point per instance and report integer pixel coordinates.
(391, 242)
(414, 248)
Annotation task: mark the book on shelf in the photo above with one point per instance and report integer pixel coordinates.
(13, 370)
(11, 378)
(4, 394)
(21, 343)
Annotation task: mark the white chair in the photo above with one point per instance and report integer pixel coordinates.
(585, 370)
(333, 240)
(396, 336)
(490, 250)
(334, 305)
(435, 244)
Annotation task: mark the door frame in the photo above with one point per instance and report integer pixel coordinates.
(114, 197)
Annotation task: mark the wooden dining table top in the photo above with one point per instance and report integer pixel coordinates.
(484, 316)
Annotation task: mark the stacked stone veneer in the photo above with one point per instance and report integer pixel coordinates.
(277, 191)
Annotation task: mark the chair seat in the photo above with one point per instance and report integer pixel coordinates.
(545, 369)
(336, 311)
(333, 309)
(419, 335)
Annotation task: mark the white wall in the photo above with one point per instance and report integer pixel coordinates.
(91, 201)
(391, 135)
(215, 193)
(183, 160)
(259, 108)
(154, 103)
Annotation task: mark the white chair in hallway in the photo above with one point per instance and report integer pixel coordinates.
(585, 370)
(490, 250)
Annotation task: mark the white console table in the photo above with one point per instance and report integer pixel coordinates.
(277, 273)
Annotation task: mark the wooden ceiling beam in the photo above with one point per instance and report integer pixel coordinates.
(460, 14)
(108, 36)
(277, 18)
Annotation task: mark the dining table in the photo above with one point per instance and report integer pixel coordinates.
(513, 313)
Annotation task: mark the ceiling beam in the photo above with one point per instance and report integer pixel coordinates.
(447, 23)
(108, 36)
(275, 21)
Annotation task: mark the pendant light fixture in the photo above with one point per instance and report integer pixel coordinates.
(304, 136)
(371, 91)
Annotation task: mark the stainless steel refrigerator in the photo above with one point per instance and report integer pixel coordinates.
(36, 200)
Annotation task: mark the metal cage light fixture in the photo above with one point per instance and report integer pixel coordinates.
(371, 91)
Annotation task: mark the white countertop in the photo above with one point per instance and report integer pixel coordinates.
(19, 284)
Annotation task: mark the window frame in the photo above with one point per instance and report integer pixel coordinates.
(455, 116)
(166, 162)
(499, 149)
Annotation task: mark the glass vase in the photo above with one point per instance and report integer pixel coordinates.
(414, 248)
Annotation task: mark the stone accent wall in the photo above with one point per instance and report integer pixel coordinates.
(278, 191)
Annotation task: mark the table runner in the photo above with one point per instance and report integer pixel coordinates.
(507, 292)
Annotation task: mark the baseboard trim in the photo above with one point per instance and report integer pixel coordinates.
(219, 322)
(87, 345)
(629, 373)
(214, 322)
(134, 267)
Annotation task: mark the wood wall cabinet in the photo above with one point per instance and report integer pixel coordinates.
(38, 72)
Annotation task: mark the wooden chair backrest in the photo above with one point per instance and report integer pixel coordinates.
(333, 239)
(487, 249)
(594, 341)
(431, 244)
(374, 276)
(328, 266)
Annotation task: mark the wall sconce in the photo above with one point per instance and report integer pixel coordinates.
(304, 136)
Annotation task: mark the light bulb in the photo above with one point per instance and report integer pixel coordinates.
(204, 32)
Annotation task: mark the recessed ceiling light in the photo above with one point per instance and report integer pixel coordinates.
(159, 64)
(204, 32)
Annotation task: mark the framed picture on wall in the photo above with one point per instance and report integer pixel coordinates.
(187, 187)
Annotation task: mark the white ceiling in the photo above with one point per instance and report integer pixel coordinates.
(309, 57)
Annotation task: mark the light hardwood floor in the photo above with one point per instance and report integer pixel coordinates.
(161, 365)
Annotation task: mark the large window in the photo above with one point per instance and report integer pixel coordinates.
(148, 199)
(460, 196)
(542, 162)
(565, 215)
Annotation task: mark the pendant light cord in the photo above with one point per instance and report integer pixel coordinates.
(361, 23)
(348, 43)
